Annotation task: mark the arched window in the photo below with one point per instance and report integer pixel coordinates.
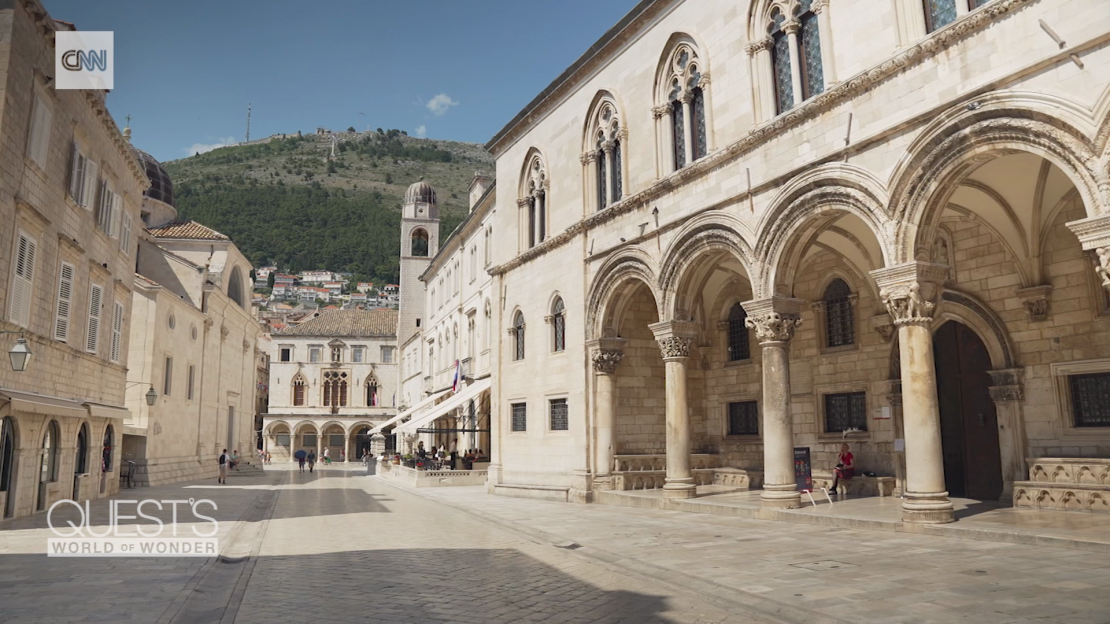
(738, 346)
(839, 322)
(940, 13)
(8, 444)
(235, 287)
(372, 399)
(518, 336)
(682, 81)
(335, 389)
(106, 454)
(559, 325)
(298, 391)
(604, 143)
(795, 52)
(81, 463)
(489, 326)
(534, 200)
(419, 243)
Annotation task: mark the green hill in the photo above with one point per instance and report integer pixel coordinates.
(285, 201)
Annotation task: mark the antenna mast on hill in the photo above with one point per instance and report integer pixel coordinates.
(248, 139)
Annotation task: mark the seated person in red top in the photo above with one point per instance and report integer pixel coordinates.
(845, 470)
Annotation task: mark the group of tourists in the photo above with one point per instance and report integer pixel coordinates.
(449, 459)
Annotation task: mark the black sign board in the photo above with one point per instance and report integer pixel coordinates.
(803, 470)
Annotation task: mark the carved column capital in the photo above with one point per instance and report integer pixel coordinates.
(524, 202)
(911, 291)
(774, 319)
(674, 338)
(661, 111)
(606, 361)
(791, 27)
(759, 45)
(1036, 300)
(819, 5)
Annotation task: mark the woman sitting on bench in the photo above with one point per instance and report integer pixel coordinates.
(845, 469)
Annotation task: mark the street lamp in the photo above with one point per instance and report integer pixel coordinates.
(20, 354)
(151, 395)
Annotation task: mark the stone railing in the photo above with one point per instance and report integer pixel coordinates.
(430, 478)
(1066, 484)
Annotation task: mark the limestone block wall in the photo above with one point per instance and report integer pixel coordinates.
(641, 391)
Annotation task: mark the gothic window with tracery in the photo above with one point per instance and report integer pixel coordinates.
(605, 130)
(780, 63)
(372, 399)
(335, 389)
(298, 391)
(809, 42)
(685, 100)
(795, 51)
(535, 200)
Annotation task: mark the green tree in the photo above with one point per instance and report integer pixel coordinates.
(350, 129)
(270, 279)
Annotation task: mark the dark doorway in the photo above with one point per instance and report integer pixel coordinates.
(7, 465)
(968, 422)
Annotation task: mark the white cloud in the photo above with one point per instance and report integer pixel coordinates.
(421, 132)
(440, 104)
(200, 148)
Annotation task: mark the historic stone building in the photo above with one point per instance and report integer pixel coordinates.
(772, 224)
(193, 342)
(332, 379)
(70, 195)
(448, 306)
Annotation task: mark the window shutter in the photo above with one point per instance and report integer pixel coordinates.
(65, 300)
(72, 174)
(88, 187)
(117, 332)
(125, 233)
(117, 209)
(95, 295)
(39, 141)
(22, 281)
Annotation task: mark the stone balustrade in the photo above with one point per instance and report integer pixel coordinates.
(1065, 484)
(640, 463)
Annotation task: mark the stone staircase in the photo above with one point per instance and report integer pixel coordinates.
(1065, 484)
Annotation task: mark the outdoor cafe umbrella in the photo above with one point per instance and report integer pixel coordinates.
(300, 454)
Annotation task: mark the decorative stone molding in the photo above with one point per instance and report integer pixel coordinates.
(883, 324)
(911, 291)
(791, 27)
(524, 202)
(658, 112)
(246, 345)
(774, 319)
(208, 323)
(1036, 301)
(894, 399)
(675, 347)
(606, 361)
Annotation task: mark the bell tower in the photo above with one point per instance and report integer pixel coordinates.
(419, 244)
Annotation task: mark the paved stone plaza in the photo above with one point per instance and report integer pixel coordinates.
(341, 546)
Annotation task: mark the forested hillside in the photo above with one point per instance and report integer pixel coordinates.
(288, 202)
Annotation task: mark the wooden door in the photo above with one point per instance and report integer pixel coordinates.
(969, 423)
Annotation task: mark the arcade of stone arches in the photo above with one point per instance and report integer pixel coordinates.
(343, 441)
(950, 324)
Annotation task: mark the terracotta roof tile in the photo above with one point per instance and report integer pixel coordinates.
(187, 229)
(347, 323)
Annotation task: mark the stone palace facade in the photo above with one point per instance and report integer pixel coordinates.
(735, 228)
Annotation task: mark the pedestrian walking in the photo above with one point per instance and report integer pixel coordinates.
(300, 455)
(311, 460)
(223, 468)
(327, 459)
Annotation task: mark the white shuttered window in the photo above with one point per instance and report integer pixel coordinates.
(117, 332)
(89, 187)
(96, 295)
(125, 233)
(77, 175)
(65, 300)
(38, 143)
(20, 290)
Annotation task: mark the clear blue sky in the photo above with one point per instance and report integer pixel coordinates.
(185, 71)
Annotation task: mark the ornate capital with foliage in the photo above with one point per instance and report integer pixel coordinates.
(674, 347)
(911, 291)
(607, 360)
(774, 326)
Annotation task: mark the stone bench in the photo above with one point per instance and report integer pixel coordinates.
(858, 485)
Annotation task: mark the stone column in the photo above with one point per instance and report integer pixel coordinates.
(674, 338)
(828, 59)
(760, 52)
(774, 321)
(346, 447)
(607, 147)
(1008, 393)
(688, 124)
(607, 354)
(791, 29)
(319, 447)
(911, 293)
(1094, 236)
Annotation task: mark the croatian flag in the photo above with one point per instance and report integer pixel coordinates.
(458, 377)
